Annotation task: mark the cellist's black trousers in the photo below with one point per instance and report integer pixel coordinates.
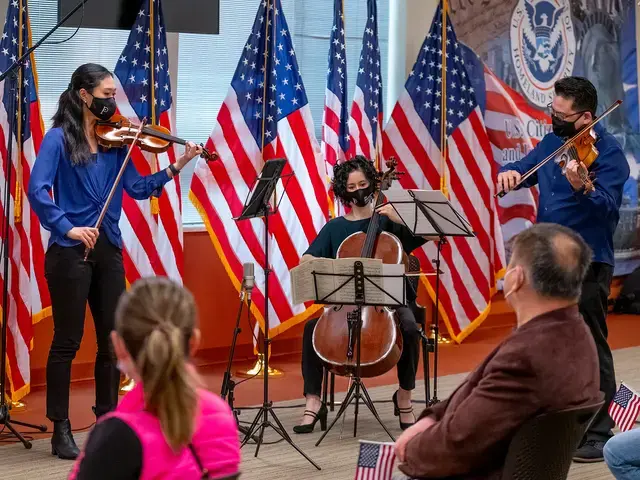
(72, 282)
(312, 368)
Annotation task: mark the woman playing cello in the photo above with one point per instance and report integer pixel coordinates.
(355, 184)
(82, 174)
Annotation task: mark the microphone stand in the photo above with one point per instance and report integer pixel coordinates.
(228, 384)
(12, 73)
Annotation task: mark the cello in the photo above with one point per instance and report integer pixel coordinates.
(334, 336)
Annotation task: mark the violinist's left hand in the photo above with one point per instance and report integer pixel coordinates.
(573, 176)
(390, 212)
(190, 152)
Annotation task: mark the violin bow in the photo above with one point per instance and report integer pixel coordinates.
(564, 146)
(116, 182)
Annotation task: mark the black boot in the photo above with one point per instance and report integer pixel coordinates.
(62, 443)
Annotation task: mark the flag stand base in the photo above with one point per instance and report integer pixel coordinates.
(257, 370)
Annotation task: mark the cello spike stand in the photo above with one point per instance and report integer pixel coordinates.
(357, 392)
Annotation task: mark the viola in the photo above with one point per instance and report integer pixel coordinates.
(380, 340)
(119, 131)
(581, 147)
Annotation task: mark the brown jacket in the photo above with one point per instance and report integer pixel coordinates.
(548, 364)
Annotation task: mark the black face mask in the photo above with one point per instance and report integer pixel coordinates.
(103, 108)
(361, 197)
(562, 128)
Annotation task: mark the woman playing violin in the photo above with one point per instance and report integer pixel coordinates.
(354, 184)
(81, 174)
(594, 214)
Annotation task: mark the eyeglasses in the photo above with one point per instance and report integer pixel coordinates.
(560, 115)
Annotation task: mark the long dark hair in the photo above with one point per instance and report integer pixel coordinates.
(70, 107)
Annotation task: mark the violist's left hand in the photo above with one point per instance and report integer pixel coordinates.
(573, 176)
(390, 212)
(190, 152)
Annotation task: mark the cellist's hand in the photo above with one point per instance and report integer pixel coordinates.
(507, 180)
(390, 212)
(573, 176)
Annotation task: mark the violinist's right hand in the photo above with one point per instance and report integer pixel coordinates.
(87, 235)
(507, 180)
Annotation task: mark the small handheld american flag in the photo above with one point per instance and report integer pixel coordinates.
(625, 407)
(375, 461)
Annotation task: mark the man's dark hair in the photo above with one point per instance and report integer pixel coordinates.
(342, 170)
(555, 258)
(581, 91)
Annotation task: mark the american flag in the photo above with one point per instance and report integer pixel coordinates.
(413, 136)
(275, 103)
(375, 461)
(29, 299)
(624, 408)
(335, 129)
(365, 124)
(514, 128)
(151, 229)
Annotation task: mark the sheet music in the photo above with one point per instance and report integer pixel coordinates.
(303, 287)
(406, 208)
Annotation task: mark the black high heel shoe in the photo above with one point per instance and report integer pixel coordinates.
(308, 428)
(397, 411)
(62, 442)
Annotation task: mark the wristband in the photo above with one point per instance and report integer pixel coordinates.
(173, 169)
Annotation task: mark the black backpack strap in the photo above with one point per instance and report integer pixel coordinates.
(204, 471)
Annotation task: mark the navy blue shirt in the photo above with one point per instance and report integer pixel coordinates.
(80, 191)
(594, 215)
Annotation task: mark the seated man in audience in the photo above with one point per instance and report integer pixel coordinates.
(548, 363)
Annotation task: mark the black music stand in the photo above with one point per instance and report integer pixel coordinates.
(357, 391)
(258, 206)
(428, 213)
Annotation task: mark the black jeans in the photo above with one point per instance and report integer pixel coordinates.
(312, 366)
(72, 282)
(593, 307)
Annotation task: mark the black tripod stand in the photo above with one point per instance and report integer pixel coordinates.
(258, 207)
(429, 213)
(357, 392)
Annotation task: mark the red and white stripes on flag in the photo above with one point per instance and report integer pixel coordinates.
(153, 239)
(29, 299)
(365, 124)
(624, 408)
(335, 129)
(266, 105)
(376, 461)
(413, 137)
(514, 128)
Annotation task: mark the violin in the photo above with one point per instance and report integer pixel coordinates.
(334, 338)
(581, 148)
(119, 131)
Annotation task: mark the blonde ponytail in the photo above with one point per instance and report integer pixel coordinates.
(156, 320)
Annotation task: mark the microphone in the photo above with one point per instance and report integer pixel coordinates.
(248, 280)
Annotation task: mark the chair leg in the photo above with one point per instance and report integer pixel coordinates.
(325, 386)
(332, 391)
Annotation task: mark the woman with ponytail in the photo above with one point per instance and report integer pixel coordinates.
(166, 427)
(81, 174)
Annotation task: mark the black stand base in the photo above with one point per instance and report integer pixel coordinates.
(262, 422)
(357, 392)
(5, 420)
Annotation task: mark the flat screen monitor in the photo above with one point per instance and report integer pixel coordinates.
(183, 16)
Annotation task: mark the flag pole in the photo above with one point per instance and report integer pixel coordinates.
(17, 205)
(443, 121)
(258, 369)
(155, 207)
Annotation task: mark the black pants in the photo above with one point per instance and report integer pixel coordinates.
(72, 282)
(312, 367)
(593, 307)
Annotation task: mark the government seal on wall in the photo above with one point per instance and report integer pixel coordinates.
(543, 46)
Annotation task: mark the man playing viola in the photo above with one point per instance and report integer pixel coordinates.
(592, 214)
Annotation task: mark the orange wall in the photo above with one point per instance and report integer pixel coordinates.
(217, 301)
